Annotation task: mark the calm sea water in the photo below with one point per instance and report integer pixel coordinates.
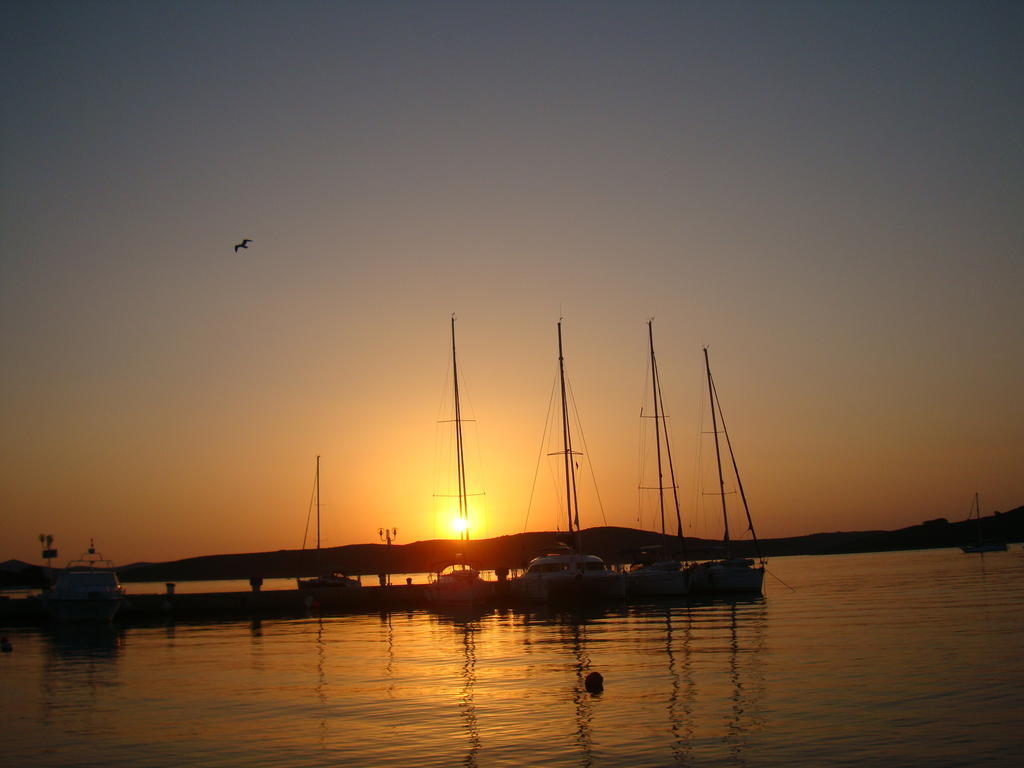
(896, 659)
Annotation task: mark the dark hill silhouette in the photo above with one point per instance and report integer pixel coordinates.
(615, 545)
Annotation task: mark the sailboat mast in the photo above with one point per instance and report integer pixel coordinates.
(671, 468)
(460, 456)
(718, 457)
(977, 515)
(657, 427)
(736, 471)
(319, 572)
(571, 501)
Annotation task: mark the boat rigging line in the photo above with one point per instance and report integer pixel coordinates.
(540, 454)
(735, 468)
(309, 510)
(780, 580)
(586, 452)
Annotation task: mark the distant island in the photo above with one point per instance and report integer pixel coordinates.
(614, 544)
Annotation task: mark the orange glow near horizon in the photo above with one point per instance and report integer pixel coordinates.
(247, 489)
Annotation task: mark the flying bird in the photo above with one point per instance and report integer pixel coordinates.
(243, 244)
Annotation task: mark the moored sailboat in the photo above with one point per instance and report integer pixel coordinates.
(729, 574)
(458, 582)
(983, 544)
(568, 575)
(333, 579)
(662, 574)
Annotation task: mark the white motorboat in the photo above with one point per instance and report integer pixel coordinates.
(87, 590)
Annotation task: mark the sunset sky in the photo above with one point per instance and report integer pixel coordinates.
(830, 195)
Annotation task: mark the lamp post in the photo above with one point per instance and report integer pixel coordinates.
(387, 535)
(46, 539)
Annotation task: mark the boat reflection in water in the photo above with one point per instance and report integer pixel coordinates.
(581, 697)
(746, 640)
(467, 707)
(683, 688)
(710, 687)
(465, 623)
(706, 694)
(80, 667)
(97, 642)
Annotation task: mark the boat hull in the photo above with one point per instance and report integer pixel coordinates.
(85, 609)
(727, 577)
(328, 582)
(992, 547)
(85, 592)
(658, 582)
(459, 591)
(570, 587)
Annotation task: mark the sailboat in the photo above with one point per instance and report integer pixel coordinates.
(568, 574)
(663, 574)
(458, 582)
(331, 580)
(983, 545)
(729, 574)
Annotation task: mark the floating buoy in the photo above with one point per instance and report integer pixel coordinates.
(594, 682)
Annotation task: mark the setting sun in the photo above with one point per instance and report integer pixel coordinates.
(458, 525)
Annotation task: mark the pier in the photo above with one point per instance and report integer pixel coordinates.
(239, 605)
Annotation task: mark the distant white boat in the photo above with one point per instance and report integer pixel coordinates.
(568, 575)
(334, 579)
(87, 590)
(729, 574)
(983, 545)
(458, 582)
(662, 574)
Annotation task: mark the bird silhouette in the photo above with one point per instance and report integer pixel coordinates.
(243, 244)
